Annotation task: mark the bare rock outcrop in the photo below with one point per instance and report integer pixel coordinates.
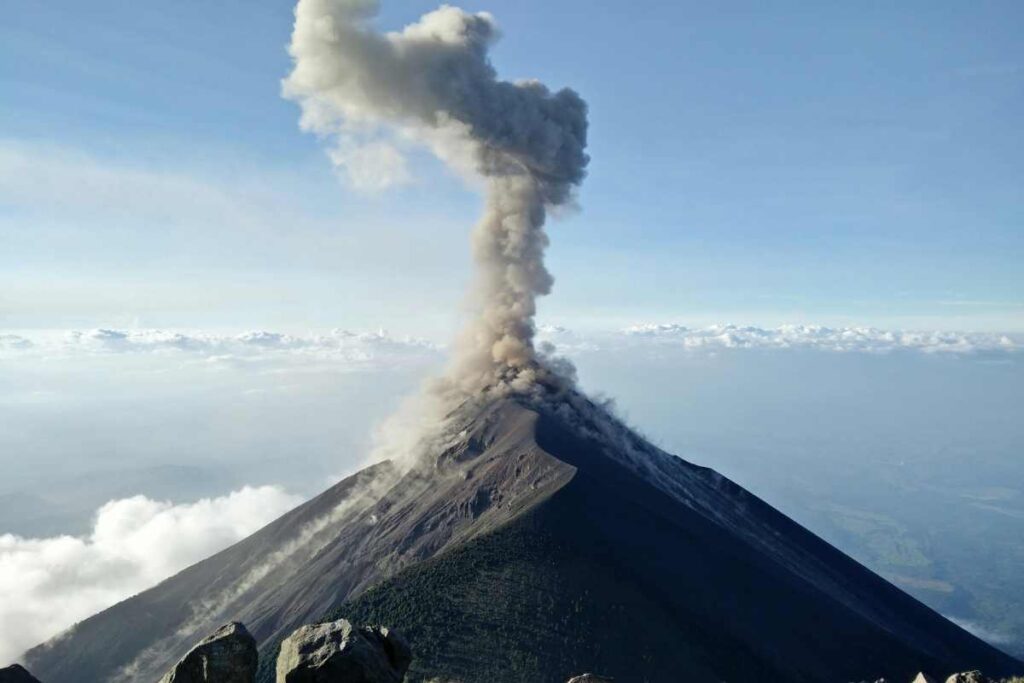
(924, 678)
(968, 677)
(16, 673)
(227, 656)
(590, 678)
(339, 651)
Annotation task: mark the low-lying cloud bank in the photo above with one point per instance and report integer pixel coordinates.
(784, 337)
(358, 350)
(372, 348)
(49, 584)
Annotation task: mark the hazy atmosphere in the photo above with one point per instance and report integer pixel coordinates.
(230, 250)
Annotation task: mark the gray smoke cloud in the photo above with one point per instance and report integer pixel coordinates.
(432, 84)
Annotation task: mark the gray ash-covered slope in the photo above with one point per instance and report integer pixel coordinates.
(545, 540)
(364, 529)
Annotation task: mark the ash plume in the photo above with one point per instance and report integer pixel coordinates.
(432, 83)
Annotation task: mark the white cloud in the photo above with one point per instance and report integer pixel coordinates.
(366, 351)
(48, 584)
(819, 338)
(568, 341)
(14, 341)
(375, 350)
(340, 348)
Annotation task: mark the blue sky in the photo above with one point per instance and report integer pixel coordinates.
(829, 163)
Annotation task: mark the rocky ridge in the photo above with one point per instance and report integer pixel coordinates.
(227, 656)
(340, 652)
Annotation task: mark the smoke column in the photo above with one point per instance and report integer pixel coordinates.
(433, 84)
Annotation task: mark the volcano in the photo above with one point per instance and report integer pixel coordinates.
(543, 539)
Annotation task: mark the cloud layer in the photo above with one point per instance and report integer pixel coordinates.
(356, 350)
(783, 338)
(49, 584)
(372, 349)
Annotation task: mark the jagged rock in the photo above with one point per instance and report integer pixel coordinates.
(16, 674)
(228, 656)
(924, 678)
(590, 678)
(968, 677)
(338, 651)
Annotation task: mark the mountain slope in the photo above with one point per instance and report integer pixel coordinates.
(607, 575)
(363, 529)
(546, 539)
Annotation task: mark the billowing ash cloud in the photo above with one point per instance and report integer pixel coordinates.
(432, 83)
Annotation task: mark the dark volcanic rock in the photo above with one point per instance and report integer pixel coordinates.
(16, 674)
(228, 656)
(968, 677)
(338, 651)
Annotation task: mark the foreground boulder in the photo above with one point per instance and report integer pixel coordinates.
(590, 678)
(968, 677)
(339, 652)
(228, 656)
(16, 674)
